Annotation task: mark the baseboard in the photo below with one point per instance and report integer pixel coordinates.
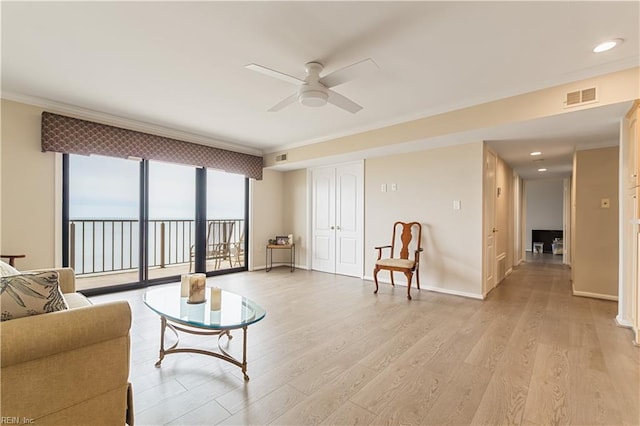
(595, 295)
(403, 283)
(454, 292)
(623, 322)
(276, 265)
(509, 272)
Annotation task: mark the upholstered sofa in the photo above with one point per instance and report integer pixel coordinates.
(69, 367)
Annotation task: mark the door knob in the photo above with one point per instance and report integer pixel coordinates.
(332, 228)
(338, 228)
(494, 230)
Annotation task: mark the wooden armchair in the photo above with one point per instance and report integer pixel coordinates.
(411, 235)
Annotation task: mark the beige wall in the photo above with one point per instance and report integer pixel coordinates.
(427, 184)
(595, 248)
(296, 218)
(27, 188)
(266, 216)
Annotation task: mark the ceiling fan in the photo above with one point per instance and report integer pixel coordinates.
(315, 91)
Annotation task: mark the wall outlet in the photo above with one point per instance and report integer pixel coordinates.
(605, 203)
(394, 187)
(456, 205)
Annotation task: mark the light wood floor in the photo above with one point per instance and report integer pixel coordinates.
(331, 352)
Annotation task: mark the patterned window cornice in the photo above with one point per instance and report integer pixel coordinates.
(74, 136)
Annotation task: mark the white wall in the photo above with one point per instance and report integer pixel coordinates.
(544, 206)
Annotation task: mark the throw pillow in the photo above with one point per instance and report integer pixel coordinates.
(7, 270)
(30, 294)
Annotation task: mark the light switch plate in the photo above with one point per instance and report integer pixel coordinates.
(383, 187)
(456, 205)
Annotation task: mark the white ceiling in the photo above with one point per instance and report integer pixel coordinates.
(180, 65)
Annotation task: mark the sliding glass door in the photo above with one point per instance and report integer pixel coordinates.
(104, 224)
(108, 198)
(225, 221)
(171, 224)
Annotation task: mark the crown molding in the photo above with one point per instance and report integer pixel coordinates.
(117, 121)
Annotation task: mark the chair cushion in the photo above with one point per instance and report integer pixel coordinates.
(396, 263)
(76, 300)
(30, 294)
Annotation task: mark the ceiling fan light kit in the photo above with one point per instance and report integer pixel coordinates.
(311, 96)
(315, 91)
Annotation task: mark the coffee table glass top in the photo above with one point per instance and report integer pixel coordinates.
(235, 311)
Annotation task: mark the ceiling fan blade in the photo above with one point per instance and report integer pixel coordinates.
(342, 102)
(284, 103)
(274, 73)
(349, 73)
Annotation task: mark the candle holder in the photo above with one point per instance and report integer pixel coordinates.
(197, 284)
(215, 299)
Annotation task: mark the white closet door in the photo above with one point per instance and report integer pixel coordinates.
(349, 200)
(323, 220)
(337, 219)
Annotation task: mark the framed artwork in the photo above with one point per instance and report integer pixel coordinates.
(282, 240)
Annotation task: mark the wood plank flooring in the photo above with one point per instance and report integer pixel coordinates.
(331, 352)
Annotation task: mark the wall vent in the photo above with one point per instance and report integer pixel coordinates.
(281, 157)
(581, 97)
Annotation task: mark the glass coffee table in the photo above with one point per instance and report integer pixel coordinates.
(232, 312)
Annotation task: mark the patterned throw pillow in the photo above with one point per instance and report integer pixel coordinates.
(30, 294)
(7, 270)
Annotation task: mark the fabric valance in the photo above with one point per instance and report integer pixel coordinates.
(74, 136)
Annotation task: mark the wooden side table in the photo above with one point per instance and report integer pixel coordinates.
(269, 255)
(12, 258)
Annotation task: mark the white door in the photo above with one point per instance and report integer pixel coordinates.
(323, 220)
(337, 222)
(349, 198)
(490, 221)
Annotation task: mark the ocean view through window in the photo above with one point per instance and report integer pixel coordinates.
(104, 219)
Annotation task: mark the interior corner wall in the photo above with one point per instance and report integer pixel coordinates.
(545, 206)
(595, 248)
(428, 182)
(27, 189)
(296, 213)
(266, 215)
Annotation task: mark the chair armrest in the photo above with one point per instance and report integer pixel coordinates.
(66, 278)
(417, 255)
(379, 248)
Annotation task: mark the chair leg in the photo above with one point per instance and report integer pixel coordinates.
(392, 283)
(375, 279)
(409, 276)
(418, 277)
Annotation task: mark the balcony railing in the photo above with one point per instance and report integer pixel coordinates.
(111, 245)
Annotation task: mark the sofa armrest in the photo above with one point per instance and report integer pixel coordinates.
(66, 278)
(67, 367)
(39, 336)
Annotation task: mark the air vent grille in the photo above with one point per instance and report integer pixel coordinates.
(281, 157)
(581, 97)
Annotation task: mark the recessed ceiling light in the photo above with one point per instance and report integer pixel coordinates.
(534, 153)
(542, 170)
(607, 45)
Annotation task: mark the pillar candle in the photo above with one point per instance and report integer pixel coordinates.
(197, 283)
(215, 300)
(184, 286)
